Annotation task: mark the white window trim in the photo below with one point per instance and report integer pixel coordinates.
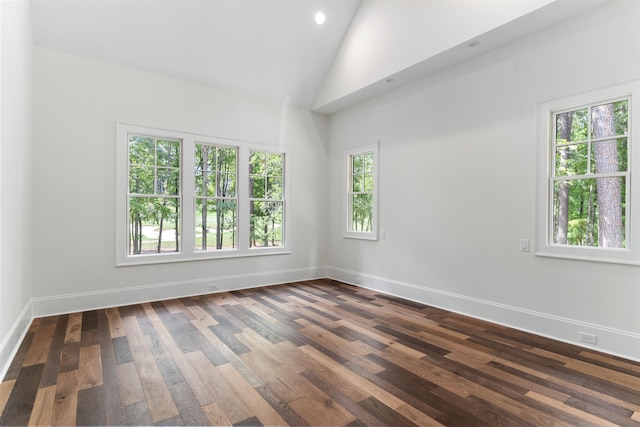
(187, 217)
(545, 157)
(347, 233)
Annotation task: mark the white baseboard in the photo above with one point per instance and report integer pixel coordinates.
(10, 345)
(612, 341)
(71, 303)
(616, 342)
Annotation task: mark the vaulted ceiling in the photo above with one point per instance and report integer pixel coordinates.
(275, 49)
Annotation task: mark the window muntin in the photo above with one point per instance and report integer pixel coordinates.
(266, 199)
(590, 175)
(361, 193)
(216, 202)
(169, 184)
(154, 195)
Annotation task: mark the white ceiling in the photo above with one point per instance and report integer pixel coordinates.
(270, 48)
(274, 48)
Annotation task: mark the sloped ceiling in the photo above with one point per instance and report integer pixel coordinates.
(274, 49)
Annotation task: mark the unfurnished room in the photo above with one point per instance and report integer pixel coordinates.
(320, 212)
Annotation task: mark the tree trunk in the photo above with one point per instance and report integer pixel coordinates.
(590, 217)
(177, 211)
(266, 234)
(564, 122)
(159, 249)
(219, 226)
(609, 193)
(136, 233)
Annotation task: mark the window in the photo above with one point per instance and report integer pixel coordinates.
(361, 193)
(588, 185)
(266, 198)
(216, 202)
(179, 197)
(154, 194)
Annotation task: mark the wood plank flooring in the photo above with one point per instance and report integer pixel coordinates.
(309, 353)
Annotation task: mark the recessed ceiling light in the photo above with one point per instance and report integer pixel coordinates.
(320, 18)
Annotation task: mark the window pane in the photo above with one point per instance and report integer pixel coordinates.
(226, 159)
(274, 165)
(368, 162)
(204, 157)
(257, 163)
(215, 224)
(227, 184)
(571, 160)
(274, 188)
(609, 156)
(141, 150)
(590, 212)
(609, 119)
(153, 225)
(168, 153)
(572, 126)
(357, 183)
(168, 181)
(362, 212)
(357, 164)
(141, 179)
(257, 187)
(621, 116)
(368, 182)
(206, 184)
(266, 224)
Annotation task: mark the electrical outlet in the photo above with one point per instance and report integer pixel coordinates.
(588, 338)
(213, 287)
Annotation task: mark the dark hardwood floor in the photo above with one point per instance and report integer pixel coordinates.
(310, 353)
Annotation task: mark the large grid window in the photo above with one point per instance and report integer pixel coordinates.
(586, 153)
(266, 199)
(361, 193)
(216, 202)
(179, 197)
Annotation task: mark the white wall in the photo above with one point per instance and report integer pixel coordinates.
(15, 176)
(457, 186)
(386, 37)
(77, 103)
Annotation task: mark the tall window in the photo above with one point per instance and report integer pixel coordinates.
(154, 194)
(591, 175)
(361, 193)
(266, 199)
(588, 196)
(178, 197)
(216, 202)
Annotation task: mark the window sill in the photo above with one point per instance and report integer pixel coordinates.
(360, 236)
(205, 256)
(612, 256)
